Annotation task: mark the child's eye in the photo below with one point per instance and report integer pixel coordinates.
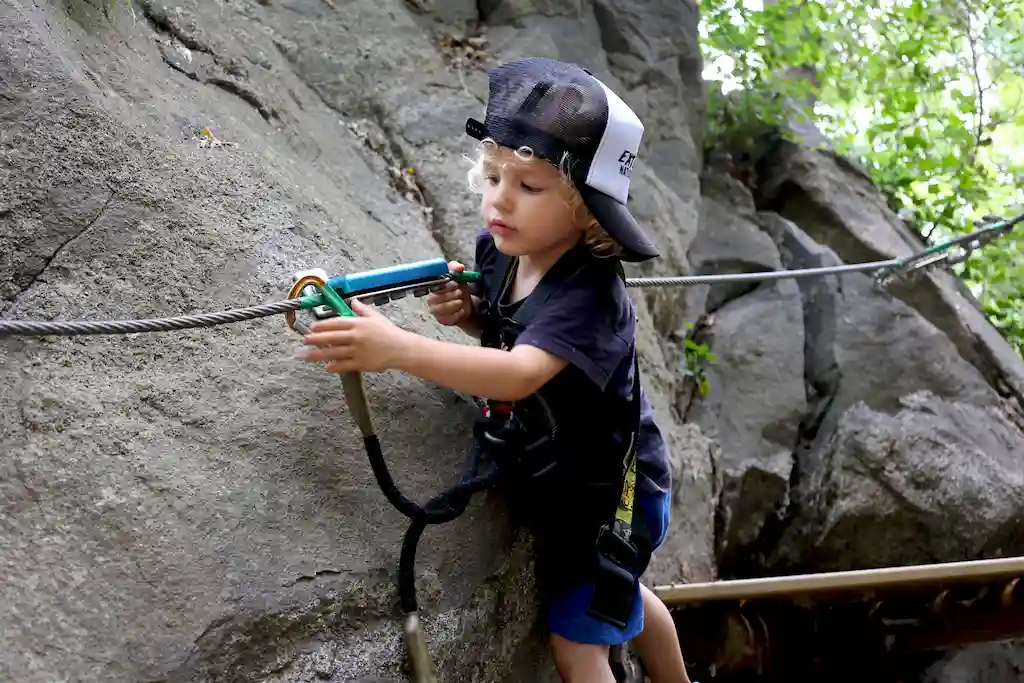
(530, 188)
(491, 178)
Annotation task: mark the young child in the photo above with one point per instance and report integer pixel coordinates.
(557, 150)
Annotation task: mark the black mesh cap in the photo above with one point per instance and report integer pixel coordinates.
(555, 108)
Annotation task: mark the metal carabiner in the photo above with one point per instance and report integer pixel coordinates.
(305, 279)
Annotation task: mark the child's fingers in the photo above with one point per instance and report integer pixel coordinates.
(449, 305)
(331, 338)
(451, 289)
(439, 306)
(338, 323)
(450, 312)
(452, 306)
(320, 355)
(443, 300)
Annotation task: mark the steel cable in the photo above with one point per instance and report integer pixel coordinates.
(88, 327)
(82, 327)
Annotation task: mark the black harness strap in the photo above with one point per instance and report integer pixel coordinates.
(614, 547)
(445, 507)
(566, 268)
(616, 551)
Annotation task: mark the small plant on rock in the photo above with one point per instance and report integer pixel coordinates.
(695, 357)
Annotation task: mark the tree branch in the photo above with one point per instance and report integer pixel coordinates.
(978, 87)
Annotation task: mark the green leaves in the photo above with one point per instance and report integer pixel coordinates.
(695, 357)
(928, 96)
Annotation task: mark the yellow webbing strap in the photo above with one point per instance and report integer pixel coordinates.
(624, 513)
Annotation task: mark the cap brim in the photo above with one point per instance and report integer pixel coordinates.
(619, 223)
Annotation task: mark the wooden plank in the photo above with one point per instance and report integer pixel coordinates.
(834, 582)
(785, 640)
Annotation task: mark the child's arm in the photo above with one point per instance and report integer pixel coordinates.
(370, 342)
(479, 371)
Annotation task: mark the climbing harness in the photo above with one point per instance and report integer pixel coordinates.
(537, 465)
(325, 297)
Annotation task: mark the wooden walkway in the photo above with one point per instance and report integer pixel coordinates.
(838, 582)
(857, 622)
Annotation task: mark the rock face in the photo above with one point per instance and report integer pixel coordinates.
(988, 663)
(197, 506)
(757, 397)
(853, 432)
(896, 463)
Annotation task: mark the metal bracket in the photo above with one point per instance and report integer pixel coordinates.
(956, 250)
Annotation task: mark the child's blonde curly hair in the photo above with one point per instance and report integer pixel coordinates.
(600, 242)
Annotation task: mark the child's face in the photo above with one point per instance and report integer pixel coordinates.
(528, 206)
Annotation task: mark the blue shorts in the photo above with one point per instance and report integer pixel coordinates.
(567, 614)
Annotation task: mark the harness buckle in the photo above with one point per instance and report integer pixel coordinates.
(615, 587)
(490, 431)
(615, 546)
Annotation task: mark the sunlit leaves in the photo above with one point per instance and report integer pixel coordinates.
(928, 96)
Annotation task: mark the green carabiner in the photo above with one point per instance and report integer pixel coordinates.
(334, 300)
(464, 277)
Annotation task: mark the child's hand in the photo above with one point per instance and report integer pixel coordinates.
(369, 343)
(452, 305)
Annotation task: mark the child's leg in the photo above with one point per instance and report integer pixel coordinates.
(580, 642)
(580, 662)
(658, 644)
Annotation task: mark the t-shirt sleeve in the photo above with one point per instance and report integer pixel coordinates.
(587, 325)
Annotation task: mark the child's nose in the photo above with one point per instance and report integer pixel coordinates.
(502, 195)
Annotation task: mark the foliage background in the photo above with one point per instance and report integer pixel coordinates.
(927, 96)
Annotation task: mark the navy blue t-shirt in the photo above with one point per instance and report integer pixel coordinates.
(591, 323)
